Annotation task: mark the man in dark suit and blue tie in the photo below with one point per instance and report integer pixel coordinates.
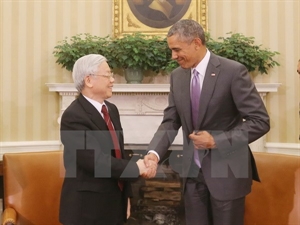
(220, 111)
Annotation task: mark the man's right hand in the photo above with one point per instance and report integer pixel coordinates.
(150, 161)
(149, 158)
(142, 167)
(147, 172)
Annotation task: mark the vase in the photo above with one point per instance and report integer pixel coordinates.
(133, 76)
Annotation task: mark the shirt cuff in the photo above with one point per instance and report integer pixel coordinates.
(155, 153)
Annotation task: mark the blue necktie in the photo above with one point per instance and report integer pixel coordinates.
(195, 97)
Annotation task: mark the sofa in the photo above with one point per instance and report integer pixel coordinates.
(276, 199)
(32, 184)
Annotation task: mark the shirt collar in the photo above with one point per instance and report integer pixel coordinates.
(201, 67)
(96, 104)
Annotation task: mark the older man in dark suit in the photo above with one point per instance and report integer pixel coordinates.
(96, 189)
(220, 111)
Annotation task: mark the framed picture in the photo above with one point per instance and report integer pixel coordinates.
(155, 17)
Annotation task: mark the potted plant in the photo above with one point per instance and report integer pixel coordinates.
(138, 52)
(244, 50)
(135, 53)
(68, 51)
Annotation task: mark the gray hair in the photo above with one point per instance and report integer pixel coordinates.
(187, 30)
(84, 66)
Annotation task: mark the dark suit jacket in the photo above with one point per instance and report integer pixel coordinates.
(232, 111)
(90, 192)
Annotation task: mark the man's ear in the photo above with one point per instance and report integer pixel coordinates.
(198, 42)
(88, 81)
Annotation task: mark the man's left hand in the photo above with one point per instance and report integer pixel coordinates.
(202, 140)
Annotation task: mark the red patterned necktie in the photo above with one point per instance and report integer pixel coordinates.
(113, 136)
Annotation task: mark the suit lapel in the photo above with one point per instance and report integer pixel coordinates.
(93, 113)
(185, 99)
(208, 86)
(98, 120)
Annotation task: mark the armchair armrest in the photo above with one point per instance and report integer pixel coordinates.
(9, 217)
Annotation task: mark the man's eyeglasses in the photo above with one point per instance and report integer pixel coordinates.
(110, 75)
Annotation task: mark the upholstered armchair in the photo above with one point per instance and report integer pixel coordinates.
(32, 185)
(276, 199)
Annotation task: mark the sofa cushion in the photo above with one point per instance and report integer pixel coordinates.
(276, 199)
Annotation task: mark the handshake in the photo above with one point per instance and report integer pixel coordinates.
(148, 166)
